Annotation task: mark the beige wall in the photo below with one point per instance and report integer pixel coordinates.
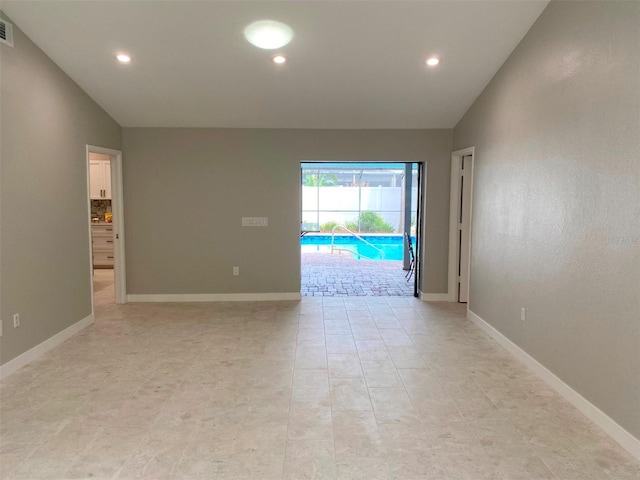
(556, 225)
(187, 189)
(46, 121)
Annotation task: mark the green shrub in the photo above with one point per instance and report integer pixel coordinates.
(353, 226)
(327, 227)
(319, 180)
(370, 222)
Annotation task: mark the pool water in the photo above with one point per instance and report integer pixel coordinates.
(390, 245)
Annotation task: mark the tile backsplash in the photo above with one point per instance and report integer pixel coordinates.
(99, 208)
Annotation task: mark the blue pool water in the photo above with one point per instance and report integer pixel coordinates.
(391, 245)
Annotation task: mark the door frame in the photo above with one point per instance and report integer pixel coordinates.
(454, 206)
(117, 207)
(420, 211)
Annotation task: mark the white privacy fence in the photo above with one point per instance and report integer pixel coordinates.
(342, 204)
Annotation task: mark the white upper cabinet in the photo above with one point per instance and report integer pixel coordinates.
(100, 179)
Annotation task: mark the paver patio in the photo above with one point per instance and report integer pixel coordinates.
(326, 275)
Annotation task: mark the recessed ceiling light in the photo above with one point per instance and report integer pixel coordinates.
(268, 34)
(279, 59)
(433, 61)
(123, 58)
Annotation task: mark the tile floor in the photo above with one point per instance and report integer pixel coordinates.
(326, 275)
(326, 388)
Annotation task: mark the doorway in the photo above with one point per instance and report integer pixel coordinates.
(360, 228)
(460, 221)
(106, 225)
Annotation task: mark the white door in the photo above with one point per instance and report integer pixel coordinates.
(464, 228)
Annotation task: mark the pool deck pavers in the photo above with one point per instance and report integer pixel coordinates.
(326, 275)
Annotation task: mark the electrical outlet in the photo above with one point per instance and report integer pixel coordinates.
(16, 320)
(236, 270)
(523, 314)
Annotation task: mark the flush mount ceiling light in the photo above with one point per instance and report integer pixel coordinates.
(268, 34)
(279, 59)
(433, 61)
(123, 58)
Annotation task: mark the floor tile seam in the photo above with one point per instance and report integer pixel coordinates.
(295, 356)
(501, 470)
(501, 410)
(350, 330)
(404, 387)
(547, 464)
(15, 469)
(531, 445)
(355, 341)
(448, 397)
(173, 467)
(28, 386)
(100, 429)
(333, 411)
(11, 424)
(366, 383)
(188, 443)
(395, 364)
(444, 468)
(333, 441)
(405, 331)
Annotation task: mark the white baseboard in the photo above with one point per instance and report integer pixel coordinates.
(434, 297)
(32, 354)
(214, 297)
(597, 416)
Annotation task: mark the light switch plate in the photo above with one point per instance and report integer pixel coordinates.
(255, 221)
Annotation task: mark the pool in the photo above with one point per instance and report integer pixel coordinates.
(391, 245)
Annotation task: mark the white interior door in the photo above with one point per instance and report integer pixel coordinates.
(464, 228)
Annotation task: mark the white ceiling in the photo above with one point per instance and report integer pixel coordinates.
(352, 64)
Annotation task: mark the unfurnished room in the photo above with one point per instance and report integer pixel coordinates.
(339, 240)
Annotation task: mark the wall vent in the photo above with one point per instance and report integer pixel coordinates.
(6, 33)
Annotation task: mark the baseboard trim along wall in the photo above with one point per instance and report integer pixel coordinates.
(434, 297)
(215, 297)
(34, 353)
(597, 416)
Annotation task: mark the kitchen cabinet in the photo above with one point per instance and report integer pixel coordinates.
(102, 245)
(100, 179)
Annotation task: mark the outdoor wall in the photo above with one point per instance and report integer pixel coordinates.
(340, 204)
(46, 120)
(185, 191)
(556, 210)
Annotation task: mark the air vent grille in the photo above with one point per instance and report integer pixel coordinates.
(6, 33)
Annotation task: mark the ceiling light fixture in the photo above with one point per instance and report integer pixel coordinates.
(433, 61)
(279, 59)
(268, 34)
(123, 58)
